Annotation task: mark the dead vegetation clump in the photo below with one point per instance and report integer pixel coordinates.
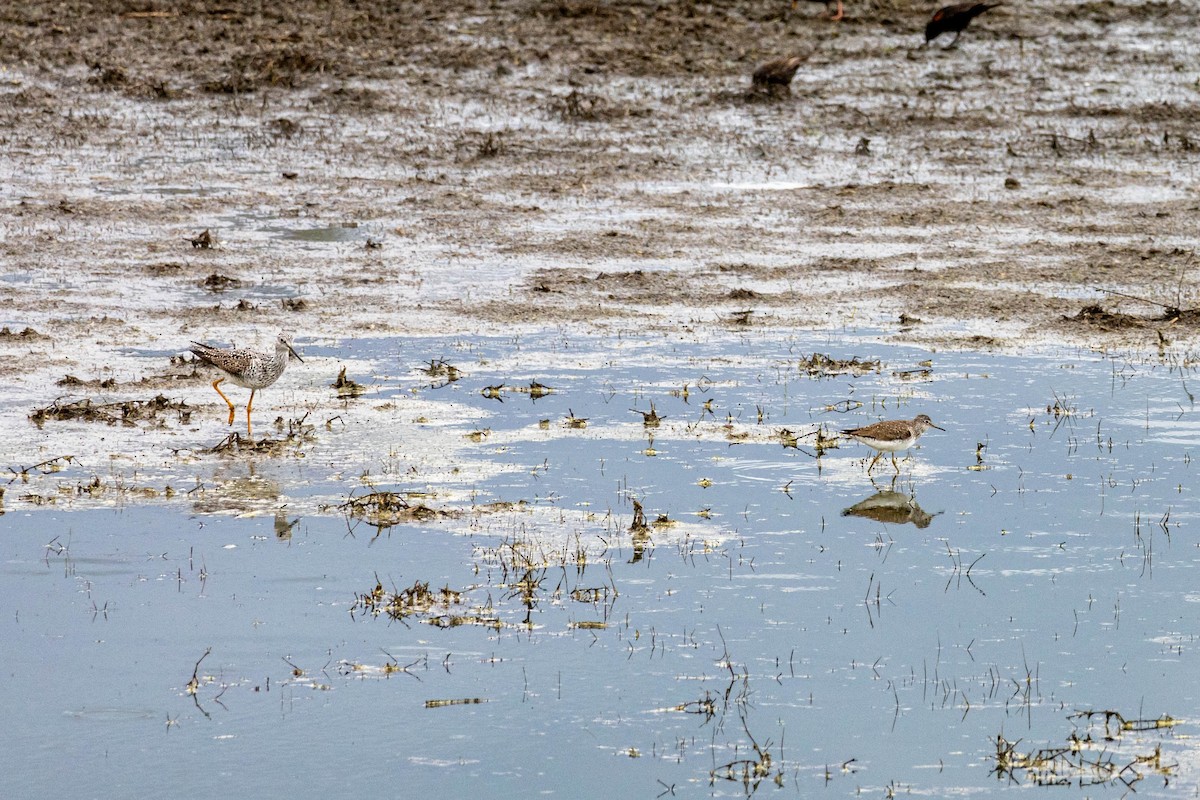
(297, 432)
(108, 76)
(443, 372)
(420, 601)
(416, 599)
(76, 383)
(219, 283)
(25, 334)
(1095, 316)
(651, 418)
(819, 365)
(578, 106)
(1092, 757)
(346, 387)
(122, 412)
(285, 67)
(385, 509)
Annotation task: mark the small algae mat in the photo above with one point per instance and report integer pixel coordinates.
(658, 570)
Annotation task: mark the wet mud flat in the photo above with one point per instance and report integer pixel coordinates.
(573, 307)
(540, 163)
(220, 172)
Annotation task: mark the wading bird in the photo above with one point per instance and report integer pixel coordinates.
(775, 75)
(891, 436)
(954, 18)
(249, 369)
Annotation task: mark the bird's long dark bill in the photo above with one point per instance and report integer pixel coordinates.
(939, 427)
(301, 360)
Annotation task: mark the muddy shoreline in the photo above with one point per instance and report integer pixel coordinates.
(489, 168)
(588, 162)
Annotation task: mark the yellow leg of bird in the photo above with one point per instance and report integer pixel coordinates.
(894, 464)
(216, 386)
(873, 460)
(249, 405)
(837, 14)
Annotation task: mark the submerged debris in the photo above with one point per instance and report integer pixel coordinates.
(463, 701)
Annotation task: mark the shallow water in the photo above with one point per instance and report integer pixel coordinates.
(986, 591)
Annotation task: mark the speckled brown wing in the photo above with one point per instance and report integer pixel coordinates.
(889, 430)
(235, 361)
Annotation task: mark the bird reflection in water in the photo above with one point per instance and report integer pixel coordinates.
(892, 507)
(283, 526)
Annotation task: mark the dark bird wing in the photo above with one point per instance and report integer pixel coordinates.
(778, 71)
(954, 18)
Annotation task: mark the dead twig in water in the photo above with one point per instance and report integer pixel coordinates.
(52, 463)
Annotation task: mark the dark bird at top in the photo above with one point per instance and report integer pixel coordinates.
(776, 75)
(954, 18)
(834, 17)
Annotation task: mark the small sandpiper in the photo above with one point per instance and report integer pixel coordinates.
(249, 369)
(891, 436)
(776, 75)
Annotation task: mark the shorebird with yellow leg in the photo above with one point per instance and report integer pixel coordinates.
(891, 436)
(250, 369)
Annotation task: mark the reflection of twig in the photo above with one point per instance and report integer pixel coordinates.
(394, 665)
(749, 771)
(194, 683)
(956, 559)
(193, 686)
(224, 689)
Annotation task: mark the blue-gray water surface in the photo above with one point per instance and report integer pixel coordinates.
(785, 625)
